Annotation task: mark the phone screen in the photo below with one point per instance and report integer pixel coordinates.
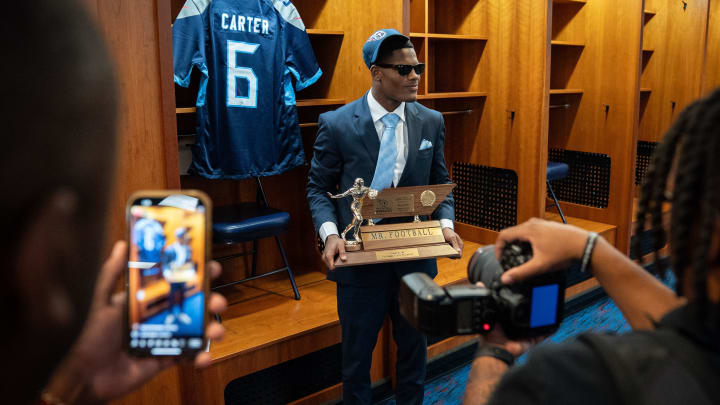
(166, 273)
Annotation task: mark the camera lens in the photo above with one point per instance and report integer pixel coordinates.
(515, 254)
(484, 267)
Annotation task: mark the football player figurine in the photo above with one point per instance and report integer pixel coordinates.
(358, 192)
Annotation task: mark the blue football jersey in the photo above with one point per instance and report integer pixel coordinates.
(247, 52)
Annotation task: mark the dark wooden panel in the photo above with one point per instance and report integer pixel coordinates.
(146, 131)
(712, 56)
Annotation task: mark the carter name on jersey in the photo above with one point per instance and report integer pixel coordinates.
(241, 23)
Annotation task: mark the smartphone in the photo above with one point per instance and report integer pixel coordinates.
(167, 280)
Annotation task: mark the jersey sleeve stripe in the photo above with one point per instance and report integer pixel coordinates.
(309, 82)
(289, 13)
(193, 8)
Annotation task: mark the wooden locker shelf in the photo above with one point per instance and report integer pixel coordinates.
(607, 231)
(447, 75)
(300, 103)
(448, 36)
(320, 101)
(312, 31)
(308, 124)
(648, 50)
(458, 94)
(566, 91)
(645, 90)
(569, 1)
(567, 43)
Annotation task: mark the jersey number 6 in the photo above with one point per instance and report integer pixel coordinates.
(235, 72)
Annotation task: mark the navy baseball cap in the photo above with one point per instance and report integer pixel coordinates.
(372, 45)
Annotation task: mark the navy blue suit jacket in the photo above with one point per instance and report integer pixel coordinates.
(346, 148)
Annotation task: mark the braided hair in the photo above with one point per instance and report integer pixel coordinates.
(692, 148)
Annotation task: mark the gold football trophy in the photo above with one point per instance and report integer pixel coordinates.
(381, 243)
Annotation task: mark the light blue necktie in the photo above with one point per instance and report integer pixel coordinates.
(385, 168)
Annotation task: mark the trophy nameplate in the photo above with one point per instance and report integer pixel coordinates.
(403, 203)
(384, 243)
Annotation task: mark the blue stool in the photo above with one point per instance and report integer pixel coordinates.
(556, 171)
(251, 221)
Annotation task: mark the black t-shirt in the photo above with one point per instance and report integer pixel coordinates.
(572, 373)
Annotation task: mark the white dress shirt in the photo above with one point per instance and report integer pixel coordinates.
(377, 111)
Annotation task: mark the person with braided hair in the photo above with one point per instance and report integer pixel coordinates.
(673, 353)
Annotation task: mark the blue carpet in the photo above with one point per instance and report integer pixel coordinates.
(601, 316)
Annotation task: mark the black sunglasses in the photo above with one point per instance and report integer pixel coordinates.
(404, 70)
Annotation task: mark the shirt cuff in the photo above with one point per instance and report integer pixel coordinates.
(327, 229)
(446, 223)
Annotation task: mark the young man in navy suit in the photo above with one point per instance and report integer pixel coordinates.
(388, 140)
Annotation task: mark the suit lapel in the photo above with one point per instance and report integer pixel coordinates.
(365, 129)
(414, 127)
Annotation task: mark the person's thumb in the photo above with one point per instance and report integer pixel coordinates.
(110, 272)
(341, 250)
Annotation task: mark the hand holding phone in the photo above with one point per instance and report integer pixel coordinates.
(167, 283)
(99, 368)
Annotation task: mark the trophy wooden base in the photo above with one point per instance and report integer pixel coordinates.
(363, 257)
(399, 243)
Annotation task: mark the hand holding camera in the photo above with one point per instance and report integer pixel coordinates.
(524, 310)
(548, 253)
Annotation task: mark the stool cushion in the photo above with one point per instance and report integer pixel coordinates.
(557, 170)
(247, 221)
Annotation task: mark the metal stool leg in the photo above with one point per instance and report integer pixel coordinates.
(287, 265)
(253, 271)
(557, 204)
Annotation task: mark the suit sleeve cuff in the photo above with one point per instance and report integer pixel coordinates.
(327, 229)
(447, 223)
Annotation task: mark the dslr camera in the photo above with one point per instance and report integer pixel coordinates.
(524, 310)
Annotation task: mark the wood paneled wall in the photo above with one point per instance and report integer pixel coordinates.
(516, 129)
(147, 145)
(711, 79)
(507, 127)
(605, 66)
(674, 43)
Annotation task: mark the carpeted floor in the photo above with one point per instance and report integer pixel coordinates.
(601, 316)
